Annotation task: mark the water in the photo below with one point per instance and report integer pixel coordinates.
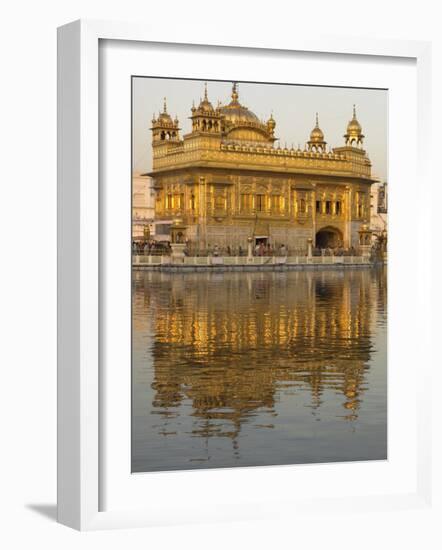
(251, 369)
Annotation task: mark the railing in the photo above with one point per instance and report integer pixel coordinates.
(251, 261)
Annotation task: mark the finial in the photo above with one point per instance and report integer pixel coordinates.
(235, 92)
(165, 106)
(317, 121)
(205, 91)
(354, 110)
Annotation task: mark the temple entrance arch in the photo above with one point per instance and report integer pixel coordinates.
(329, 237)
(261, 239)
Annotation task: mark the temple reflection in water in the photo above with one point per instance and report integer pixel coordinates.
(234, 357)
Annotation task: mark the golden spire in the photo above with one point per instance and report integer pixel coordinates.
(165, 106)
(316, 142)
(354, 133)
(235, 94)
(271, 124)
(205, 92)
(316, 134)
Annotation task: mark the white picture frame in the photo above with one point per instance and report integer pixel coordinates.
(80, 294)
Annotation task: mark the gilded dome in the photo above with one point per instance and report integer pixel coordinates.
(317, 135)
(164, 116)
(354, 127)
(205, 106)
(235, 113)
(316, 142)
(354, 131)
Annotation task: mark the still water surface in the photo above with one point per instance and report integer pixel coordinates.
(252, 369)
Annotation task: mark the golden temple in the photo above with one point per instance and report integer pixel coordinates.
(226, 181)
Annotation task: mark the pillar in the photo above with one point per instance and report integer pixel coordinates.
(309, 247)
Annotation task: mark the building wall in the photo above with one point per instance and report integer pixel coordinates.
(143, 205)
(223, 208)
(379, 215)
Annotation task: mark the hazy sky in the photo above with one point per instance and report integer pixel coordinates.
(293, 108)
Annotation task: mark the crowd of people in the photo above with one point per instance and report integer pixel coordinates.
(337, 251)
(262, 248)
(150, 248)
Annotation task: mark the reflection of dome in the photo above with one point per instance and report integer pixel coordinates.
(235, 113)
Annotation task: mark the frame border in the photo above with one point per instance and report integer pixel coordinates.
(78, 257)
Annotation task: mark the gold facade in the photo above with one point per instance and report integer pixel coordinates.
(226, 180)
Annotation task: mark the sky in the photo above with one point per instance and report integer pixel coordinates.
(294, 109)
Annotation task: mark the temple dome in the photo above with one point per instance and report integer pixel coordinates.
(317, 135)
(235, 113)
(316, 141)
(354, 131)
(354, 127)
(205, 106)
(164, 117)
